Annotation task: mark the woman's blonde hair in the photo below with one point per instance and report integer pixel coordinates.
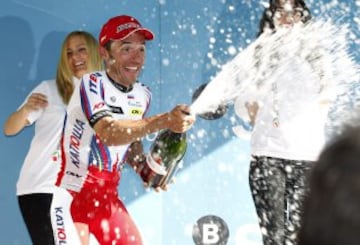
(64, 75)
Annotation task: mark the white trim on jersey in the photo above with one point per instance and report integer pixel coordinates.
(94, 98)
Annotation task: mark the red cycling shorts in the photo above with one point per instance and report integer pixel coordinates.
(98, 206)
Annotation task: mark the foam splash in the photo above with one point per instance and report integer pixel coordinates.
(319, 48)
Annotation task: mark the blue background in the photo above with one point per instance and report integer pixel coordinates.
(214, 176)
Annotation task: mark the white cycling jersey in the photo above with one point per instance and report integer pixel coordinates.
(96, 97)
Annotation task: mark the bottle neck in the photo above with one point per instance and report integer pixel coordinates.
(175, 135)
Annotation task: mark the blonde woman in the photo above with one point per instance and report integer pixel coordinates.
(46, 106)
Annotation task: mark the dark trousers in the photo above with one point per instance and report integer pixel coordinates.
(35, 210)
(278, 187)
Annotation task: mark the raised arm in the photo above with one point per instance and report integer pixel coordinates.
(19, 119)
(120, 132)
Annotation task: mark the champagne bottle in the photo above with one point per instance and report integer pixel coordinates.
(163, 159)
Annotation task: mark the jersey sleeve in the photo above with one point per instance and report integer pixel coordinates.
(92, 98)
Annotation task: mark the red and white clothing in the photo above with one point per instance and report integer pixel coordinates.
(90, 168)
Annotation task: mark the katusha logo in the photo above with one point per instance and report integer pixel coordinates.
(210, 230)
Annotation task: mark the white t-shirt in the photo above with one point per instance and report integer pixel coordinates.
(96, 97)
(41, 165)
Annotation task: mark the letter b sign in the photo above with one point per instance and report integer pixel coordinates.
(210, 230)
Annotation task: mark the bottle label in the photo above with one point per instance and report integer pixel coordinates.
(155, 166)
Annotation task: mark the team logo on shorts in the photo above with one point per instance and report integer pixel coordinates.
(60, 231)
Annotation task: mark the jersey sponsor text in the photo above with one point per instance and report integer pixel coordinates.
(75, 138)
